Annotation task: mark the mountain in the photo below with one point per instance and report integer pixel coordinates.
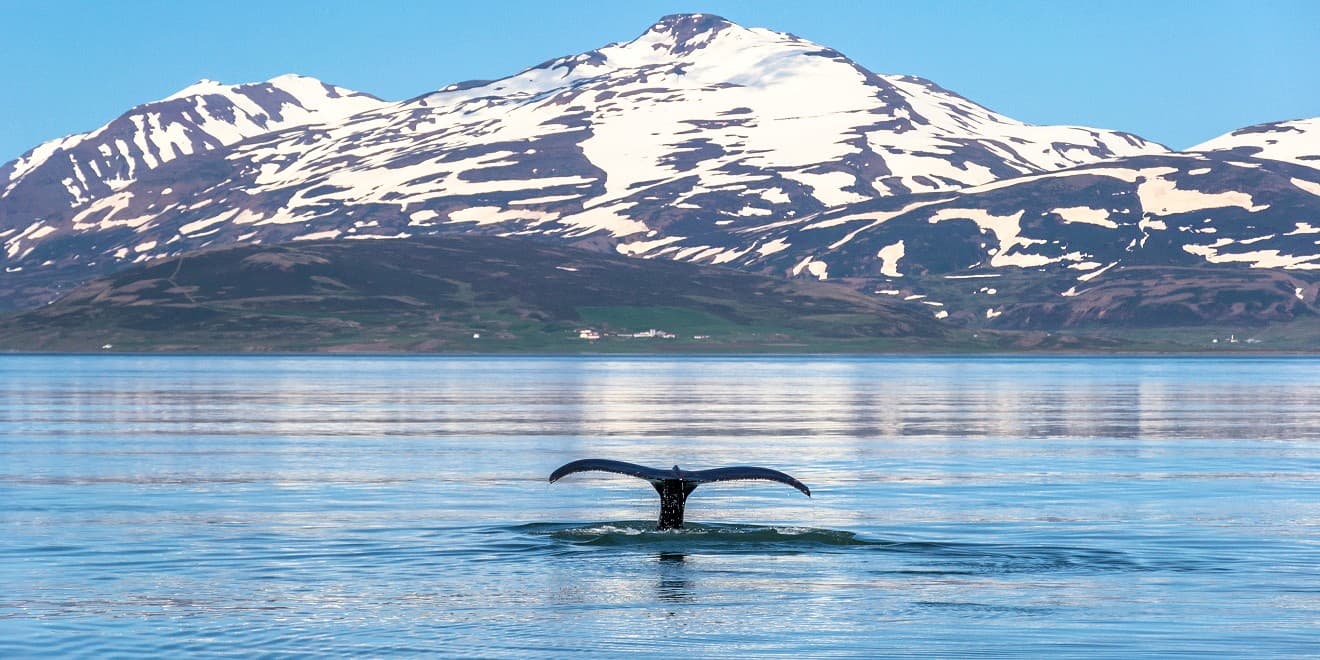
(696, 123)
(201, 117)
(702, 141)
(1296, 141)
(1236, 238)
(463, 293)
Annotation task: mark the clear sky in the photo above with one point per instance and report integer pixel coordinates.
(1174, 71)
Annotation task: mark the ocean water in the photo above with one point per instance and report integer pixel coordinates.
(1071, 506)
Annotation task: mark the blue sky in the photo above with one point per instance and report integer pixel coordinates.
(1177, 72)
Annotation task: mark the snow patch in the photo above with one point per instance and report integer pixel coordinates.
(1162, 197)
(362, 237)
(636, 248)
(488, 215)
(818, 269)
(1087, 215)
(318, 235)
(423, 216)
(1255, 258)
(828, 187)
(1007, 231)
(889, 256)
(610, 220)
(1147, 223)
(109, 208)
(1094, 274)
(194, 227)
(775, 196)
(548, 199)
(771, 247)
(1308, 186)
(728, 255)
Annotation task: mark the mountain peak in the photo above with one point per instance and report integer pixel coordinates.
(291, 78)
(298, 85)
(691, 24)
(199, 88)
(203, 116)
(1296, 141)
(684, 33)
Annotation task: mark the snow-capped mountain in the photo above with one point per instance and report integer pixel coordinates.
(201, 117)
(1296, 141)
(700, 140)
(697, 121)
(1062, 239)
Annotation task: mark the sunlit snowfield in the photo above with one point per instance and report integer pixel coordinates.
(379, 506)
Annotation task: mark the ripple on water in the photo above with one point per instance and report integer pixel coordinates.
(371, 507)
(926, 557)
(716, 537)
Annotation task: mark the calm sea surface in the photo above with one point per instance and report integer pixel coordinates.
(207, 506)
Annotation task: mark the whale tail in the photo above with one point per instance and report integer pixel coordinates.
(675, 485)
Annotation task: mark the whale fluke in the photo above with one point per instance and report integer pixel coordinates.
(617, 467)
(675, 484)
(741, 472)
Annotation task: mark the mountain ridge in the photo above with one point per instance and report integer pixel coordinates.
(183, 123)
(607, 151)
(701, 140)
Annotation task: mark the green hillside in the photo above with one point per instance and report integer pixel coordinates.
(458, 293)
